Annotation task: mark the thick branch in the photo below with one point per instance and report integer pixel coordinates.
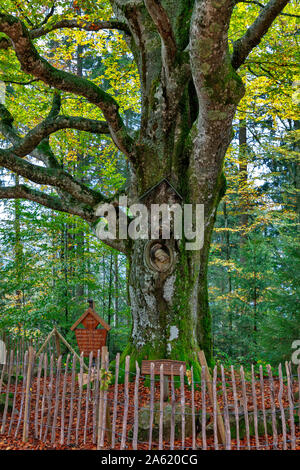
(243, 46)
(209, 35)
(51, 125)
(261, 5)
(53, 202)
(55, 177)
(42, 153)
(71, 24)
(164, 28)
(32, 63)
(36, 144)
(78, 23)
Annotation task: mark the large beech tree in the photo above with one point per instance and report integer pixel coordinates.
(190, 89)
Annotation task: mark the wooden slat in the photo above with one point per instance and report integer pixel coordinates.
(80, 383)
(291, 406)
(193, 410)
(262, 391)
(126, 402)
(25, 363)
(215, 407)
(28, 394)
(167, 363)
(273, 408)
(37, 398)
(220, 422)
(173, 404)
(151, 418)
(11, 360)
(236, 408)
(13, 413)
(253, 387)
(96, 397)
(63, 401)
(87, 397)
(298, 369)
(4, 368)
(225, 410)
(44, 393)
(72, 398)
(56, 399)
(245, 406)
(115, 410)
(49, 398)
(182, 403)
(100, 406)
(136, 407)
(104, 427)
(203, 399)
(282, 412)
(161, 407)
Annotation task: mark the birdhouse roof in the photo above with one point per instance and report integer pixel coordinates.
(158, 184)
(95, 315)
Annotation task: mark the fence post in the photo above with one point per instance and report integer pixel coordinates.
(27, 395)
(101, 422)
(220, 422)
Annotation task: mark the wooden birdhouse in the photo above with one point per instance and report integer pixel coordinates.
(89, 336)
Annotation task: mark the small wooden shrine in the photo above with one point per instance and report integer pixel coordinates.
(90, 337)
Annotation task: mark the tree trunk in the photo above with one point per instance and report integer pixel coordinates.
(170, 311)
(186, 127)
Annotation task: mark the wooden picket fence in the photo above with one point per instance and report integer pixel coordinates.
(54, 401)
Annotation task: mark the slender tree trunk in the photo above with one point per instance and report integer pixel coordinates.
(229, 284)
(18, 248)
(80, 236)
(110, 282)
(116, 313)
(296, 148)
(243, 177)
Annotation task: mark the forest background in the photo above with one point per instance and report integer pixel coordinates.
(50, 263)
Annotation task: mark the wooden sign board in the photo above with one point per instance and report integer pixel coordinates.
(167, 363)
(90, 340)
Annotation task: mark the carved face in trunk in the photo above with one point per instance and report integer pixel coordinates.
(158, 256)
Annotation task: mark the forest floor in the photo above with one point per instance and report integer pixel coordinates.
(82, 432)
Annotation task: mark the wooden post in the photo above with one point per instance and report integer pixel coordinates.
(126, 403)
(58, 337)
(106, 428)
(115, 401)
(203, 397)
(245, 406)
(165, 388)
(152, 393)
(27, 395)
(236, 408)
(161, 406)
(220, 422)
(45, 342)
(57, 344)
(101, 393)
(136, 407)
(291, 405)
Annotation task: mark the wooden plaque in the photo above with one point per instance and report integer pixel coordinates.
(90, 340)
(146, 366)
